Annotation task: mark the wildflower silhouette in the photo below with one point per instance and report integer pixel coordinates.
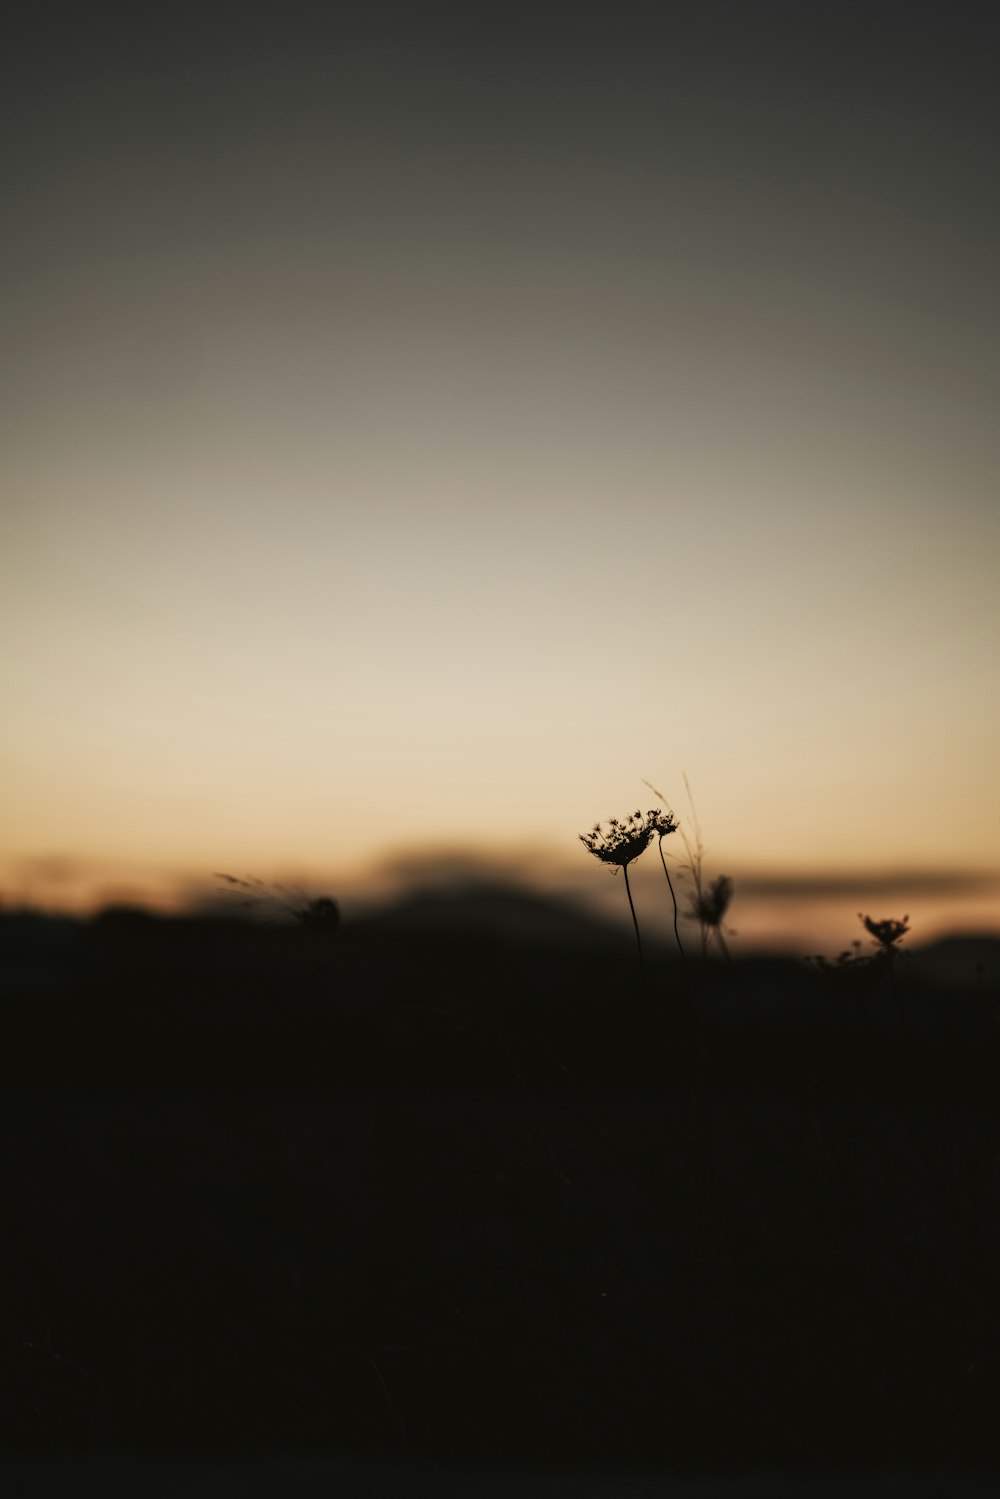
(621, 845)
(885, 935)
(667, 823)
(709, 905)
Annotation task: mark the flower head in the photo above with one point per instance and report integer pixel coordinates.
(663, 822)
(711, 905)
(624, 840)
(886, 933)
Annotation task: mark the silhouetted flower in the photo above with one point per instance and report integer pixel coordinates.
(886, 933)
(711, 905)
(667, 823)
(663, 823)
(621, 845)
(624, 841)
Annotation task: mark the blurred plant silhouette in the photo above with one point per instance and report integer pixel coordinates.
(861, 970)
(710, 904)
(317, 914)
(886, 936)
(886, 933)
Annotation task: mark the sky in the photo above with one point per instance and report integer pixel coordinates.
(420, 426)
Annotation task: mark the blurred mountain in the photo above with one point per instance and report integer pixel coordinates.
(497, 911)
(36, 947)
(959, 962)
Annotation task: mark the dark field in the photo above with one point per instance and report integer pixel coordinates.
(438, 1197)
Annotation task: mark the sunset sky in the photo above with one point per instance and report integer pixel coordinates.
(420, 424)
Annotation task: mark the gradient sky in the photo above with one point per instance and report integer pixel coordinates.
(419, 426)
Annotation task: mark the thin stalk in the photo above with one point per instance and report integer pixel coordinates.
(677, 931)
(635, 919)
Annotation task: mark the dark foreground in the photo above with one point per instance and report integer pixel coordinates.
(310, 1475)
(452, 1201)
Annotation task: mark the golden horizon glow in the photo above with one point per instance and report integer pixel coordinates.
(394, 462)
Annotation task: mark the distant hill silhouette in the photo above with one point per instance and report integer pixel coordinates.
(497, 910)
(30, 941)
(961, 961)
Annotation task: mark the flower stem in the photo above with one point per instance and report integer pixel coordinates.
(673, 897)
(897, 1004)
(635, 921)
